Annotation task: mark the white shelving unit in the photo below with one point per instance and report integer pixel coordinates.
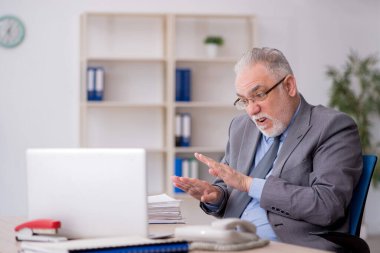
(139, 53)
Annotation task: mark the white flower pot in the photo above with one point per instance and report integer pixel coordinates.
(212, 50)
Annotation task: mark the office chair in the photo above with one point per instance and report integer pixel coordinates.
(351, 242)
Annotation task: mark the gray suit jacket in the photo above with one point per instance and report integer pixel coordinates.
(311, 184)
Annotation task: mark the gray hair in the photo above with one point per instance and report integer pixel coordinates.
(272, 58)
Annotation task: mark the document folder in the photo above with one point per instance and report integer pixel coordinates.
(134, 244)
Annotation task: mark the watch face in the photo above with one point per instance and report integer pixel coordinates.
(12, 31)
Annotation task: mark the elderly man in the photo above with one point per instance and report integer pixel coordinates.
(289, 167)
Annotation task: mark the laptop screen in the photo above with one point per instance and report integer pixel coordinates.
(93, 192)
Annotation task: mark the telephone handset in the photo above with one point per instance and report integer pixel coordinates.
(223, 231)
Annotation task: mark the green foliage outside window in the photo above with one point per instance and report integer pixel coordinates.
(355, 90)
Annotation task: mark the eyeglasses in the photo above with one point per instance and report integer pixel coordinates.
(242, 103)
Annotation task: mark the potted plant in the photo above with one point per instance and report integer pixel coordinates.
(355, 90)
(212, 44)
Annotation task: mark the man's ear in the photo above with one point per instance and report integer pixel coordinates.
(290, 85)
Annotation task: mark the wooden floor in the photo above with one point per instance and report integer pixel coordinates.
(374, 243)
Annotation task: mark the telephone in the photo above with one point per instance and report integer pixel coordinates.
(223, 231)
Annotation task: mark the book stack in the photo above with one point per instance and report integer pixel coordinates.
(95, 83)
(163, 209)
(185, 167)
(183, 84)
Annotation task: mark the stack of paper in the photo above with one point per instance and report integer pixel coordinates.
(164, 209)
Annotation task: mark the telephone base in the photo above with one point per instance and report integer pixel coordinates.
(211, 246)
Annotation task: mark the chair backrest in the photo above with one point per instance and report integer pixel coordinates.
(360, 194)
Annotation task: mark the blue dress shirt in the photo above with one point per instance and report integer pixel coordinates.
(253, 212)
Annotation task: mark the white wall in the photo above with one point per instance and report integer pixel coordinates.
(39, 80)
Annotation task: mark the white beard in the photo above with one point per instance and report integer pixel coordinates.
(277, 126)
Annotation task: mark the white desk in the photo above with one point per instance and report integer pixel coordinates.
(8, 244)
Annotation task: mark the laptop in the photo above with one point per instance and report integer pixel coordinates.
(93, 192)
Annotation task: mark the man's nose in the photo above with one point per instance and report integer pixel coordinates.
(252, 108)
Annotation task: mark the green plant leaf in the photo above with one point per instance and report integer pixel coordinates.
(218, 40)
(355, 90)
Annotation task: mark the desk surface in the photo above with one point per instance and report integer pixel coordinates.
(8, 244)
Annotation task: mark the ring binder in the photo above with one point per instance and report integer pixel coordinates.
(186, 130)
(95, 83)
(133, 244)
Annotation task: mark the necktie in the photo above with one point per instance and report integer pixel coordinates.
(238, 201)
(266, 163)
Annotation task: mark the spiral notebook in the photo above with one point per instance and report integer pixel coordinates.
(136, 244)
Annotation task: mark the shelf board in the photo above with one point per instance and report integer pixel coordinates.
(126, 59)
(148, 150)
(181, 150)
(203, 104)
(123, 14)
(180, 195)
(152, 150)
(208, 59)
(113, 104)
(155, 150)
(215, 16)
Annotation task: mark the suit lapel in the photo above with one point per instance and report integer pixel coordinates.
(251, 137)
(238, 201)
(296, 133)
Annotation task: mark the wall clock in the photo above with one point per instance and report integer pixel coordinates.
(12, 31)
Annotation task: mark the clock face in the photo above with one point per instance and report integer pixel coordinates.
(12, 31)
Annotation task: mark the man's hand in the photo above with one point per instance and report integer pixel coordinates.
(231, 177)
(199, 189)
